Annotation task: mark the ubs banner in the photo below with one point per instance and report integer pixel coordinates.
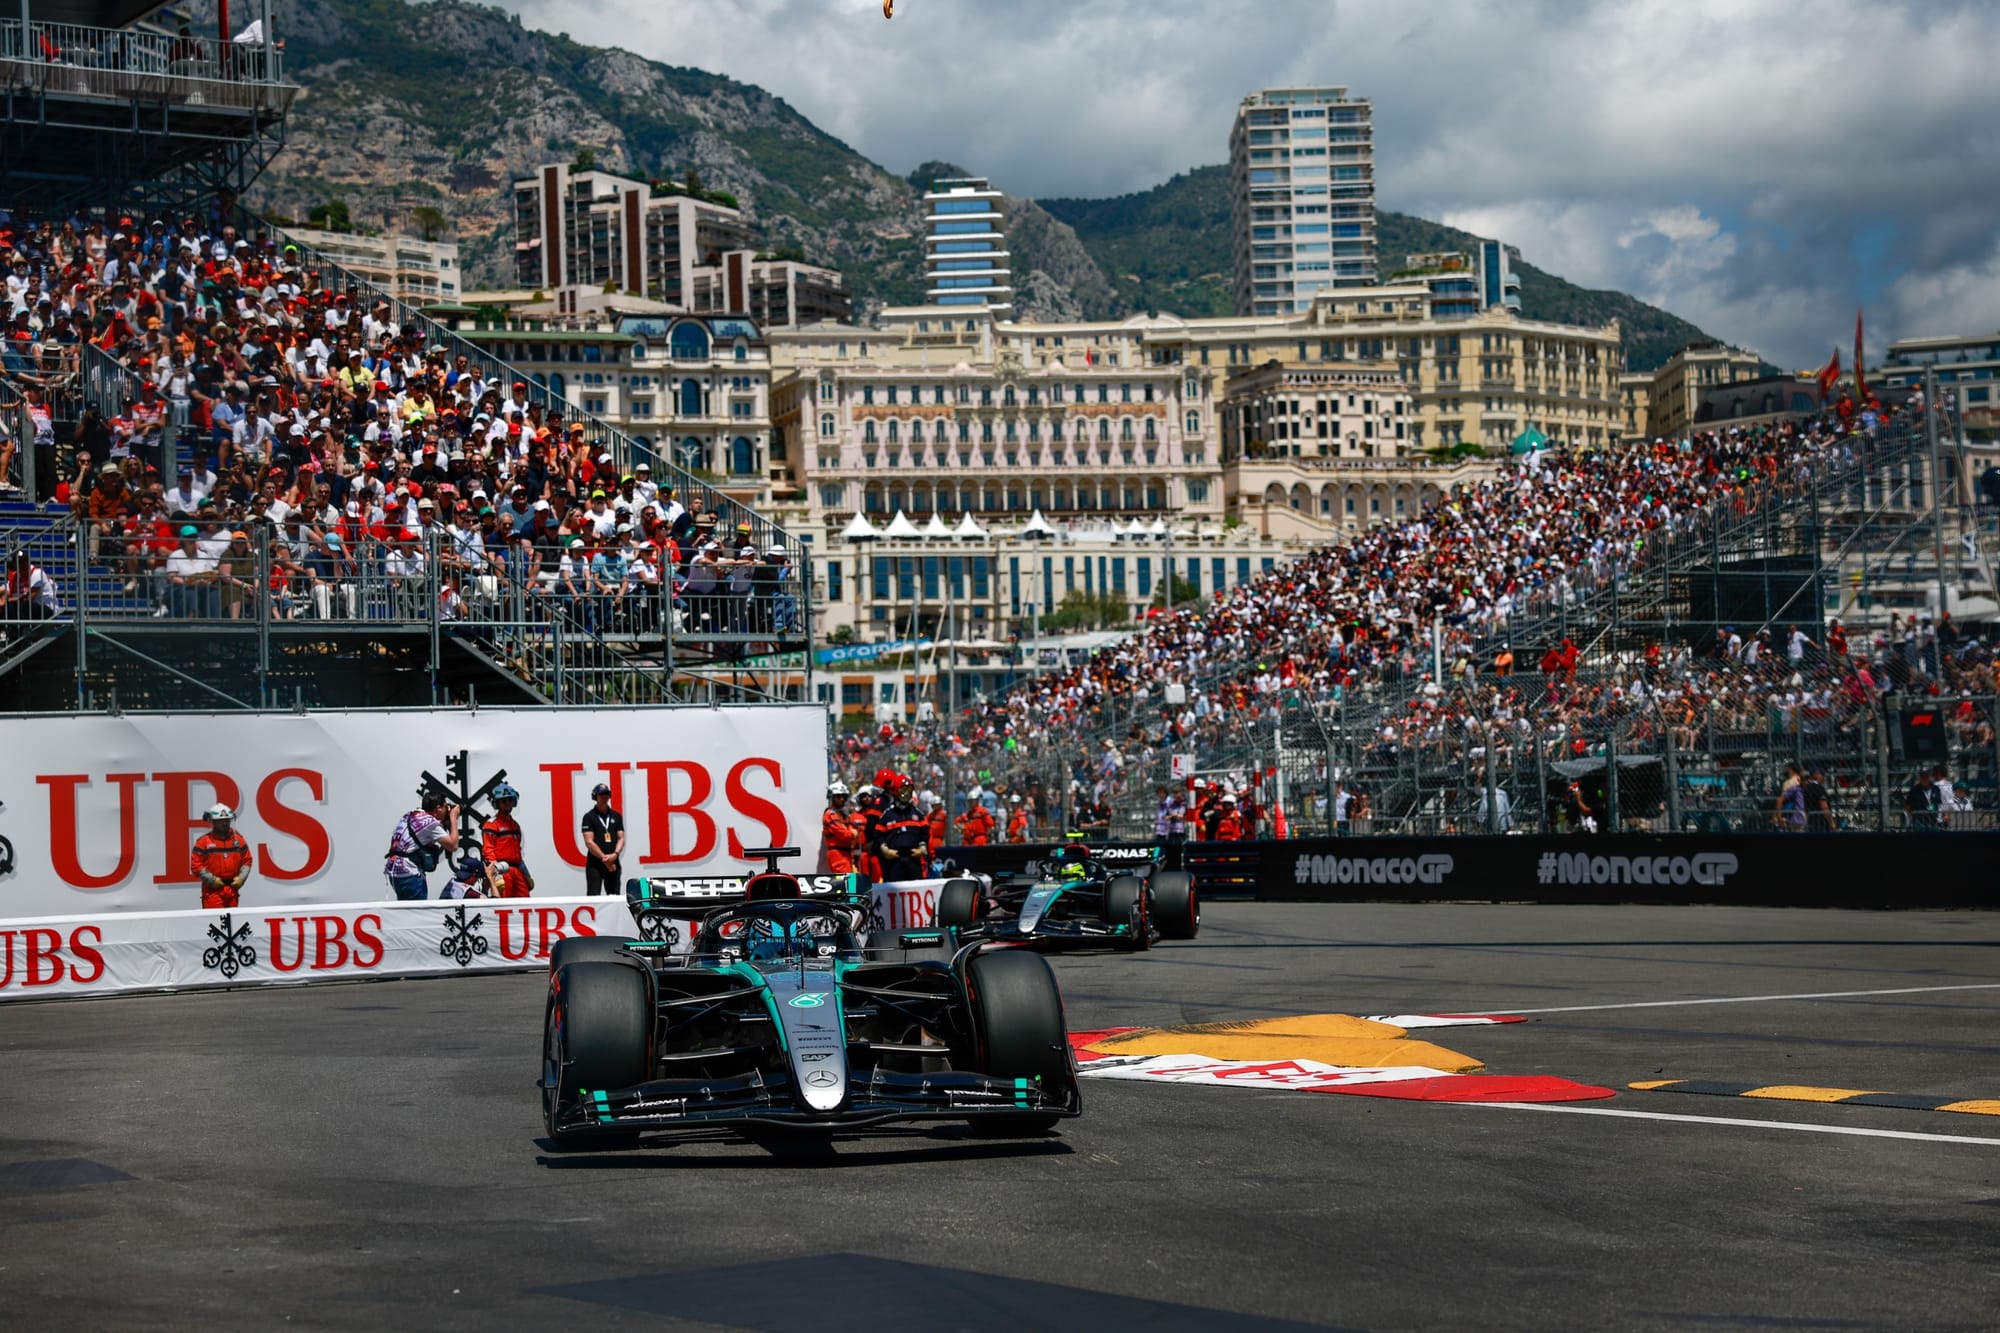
(100, 813)
(137, 951)
(1777, 870)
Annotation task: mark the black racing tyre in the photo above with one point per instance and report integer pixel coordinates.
(600, 1034)
(1017, 1015)
(1176, 906)
(586, 949)
(958, 903)
(1125, 902)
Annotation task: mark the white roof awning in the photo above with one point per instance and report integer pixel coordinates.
(900, 526)
(936, 528)
(859, 529)
(969, 529)
(1037, 526)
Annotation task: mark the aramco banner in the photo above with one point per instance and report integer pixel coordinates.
(100, 814)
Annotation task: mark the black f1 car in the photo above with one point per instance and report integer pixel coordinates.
(781, 1017)
(1075, 897)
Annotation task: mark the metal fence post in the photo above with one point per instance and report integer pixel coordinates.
(1879, 729)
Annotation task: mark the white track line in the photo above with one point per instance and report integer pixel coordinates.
(1733, 1120)
(1752, 999)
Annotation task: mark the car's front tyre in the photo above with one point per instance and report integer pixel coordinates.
(1125, 905)
(597, 1036)
(1017, 1019)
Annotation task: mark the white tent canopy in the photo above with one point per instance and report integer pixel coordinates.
(900, 526)
(1159, 528)
(969, 529)
(936, 528)
(859, 529)
(1037, 526)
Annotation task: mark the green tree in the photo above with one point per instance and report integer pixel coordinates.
(1088, 610)
(694, 183)
(331, 216)
(586, 160)
(1185, 593)
(430, 223)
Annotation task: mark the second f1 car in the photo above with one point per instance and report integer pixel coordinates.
(1075, 896)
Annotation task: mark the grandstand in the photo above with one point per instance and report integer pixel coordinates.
(1646, 602)
(361, 576)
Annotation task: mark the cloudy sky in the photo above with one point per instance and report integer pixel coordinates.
(1762, 167)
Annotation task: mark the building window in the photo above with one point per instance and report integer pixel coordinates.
(826, 426)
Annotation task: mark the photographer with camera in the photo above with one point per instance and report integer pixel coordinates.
(419, 841)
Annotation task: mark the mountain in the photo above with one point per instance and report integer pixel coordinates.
(1168, 248)
(443, 105)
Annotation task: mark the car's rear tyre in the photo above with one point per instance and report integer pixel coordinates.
(599, 1036)
(1017, 1016)
(585, 949)
(1125, 904)
(958, 903)
(1176, 906)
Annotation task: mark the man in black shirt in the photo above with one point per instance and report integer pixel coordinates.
(603, 843)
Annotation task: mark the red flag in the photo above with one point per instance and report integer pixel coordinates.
(1860, 382)
(1829, 375)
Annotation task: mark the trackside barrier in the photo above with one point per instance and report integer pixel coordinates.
(1939, 869)
(1855, 870)
(114, 953)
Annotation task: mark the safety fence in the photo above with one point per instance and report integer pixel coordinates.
(571, 631)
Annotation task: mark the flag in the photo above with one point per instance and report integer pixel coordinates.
(1860, 382)
(1089, 357)
(1829, 375)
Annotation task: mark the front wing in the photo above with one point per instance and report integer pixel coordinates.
(874, 1097)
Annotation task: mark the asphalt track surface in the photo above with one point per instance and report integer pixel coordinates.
(367, 1155)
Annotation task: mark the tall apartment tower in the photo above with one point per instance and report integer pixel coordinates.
(1301, 197)
(965, 247)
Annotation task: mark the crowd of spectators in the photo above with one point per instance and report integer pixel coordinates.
(336, 461)
(1362, 622)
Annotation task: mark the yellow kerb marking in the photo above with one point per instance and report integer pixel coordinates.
(1237, 1043)
(1787, 1092)
(1973, 1108)
(1651, 1084)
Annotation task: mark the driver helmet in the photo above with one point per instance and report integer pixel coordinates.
(218, 814)
(505, 792)
(1073, 870)
(836, 788)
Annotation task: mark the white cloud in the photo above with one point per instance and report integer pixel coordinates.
(1754, 166)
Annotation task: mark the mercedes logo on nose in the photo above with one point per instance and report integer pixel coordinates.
(822, 1078)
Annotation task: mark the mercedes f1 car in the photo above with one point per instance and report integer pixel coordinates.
(1075, 897)
(782, 1016)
